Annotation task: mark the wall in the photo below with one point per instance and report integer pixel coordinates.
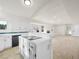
(15, 23)
(60, 29)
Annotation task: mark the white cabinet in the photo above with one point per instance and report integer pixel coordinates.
(1, 44)
(5, 42)
(21, 45)
(34, 47)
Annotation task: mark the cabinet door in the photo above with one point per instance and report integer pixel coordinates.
(21, 45)
(1, 44)
(7, 42)
(26, 47)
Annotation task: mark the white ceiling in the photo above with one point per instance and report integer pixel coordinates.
(45, 11)
(18, 8)
(59, 12)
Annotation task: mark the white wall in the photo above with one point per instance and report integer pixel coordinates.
(60, 29)
(15, 23)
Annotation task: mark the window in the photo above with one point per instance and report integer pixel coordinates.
(3, 25)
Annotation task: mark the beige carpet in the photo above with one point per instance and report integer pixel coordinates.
(64, 47)
(11, 53)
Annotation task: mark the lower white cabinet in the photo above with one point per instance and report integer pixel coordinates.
(33, 47)
(5, 42)
(8, 42)
(1, 44)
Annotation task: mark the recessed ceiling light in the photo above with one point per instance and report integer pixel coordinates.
(27, 2)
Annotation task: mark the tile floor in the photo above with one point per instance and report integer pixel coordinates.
(12, 53)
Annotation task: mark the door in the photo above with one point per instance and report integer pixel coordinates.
(75, 30)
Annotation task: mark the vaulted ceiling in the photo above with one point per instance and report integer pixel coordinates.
(45, 11)
(17, 7)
